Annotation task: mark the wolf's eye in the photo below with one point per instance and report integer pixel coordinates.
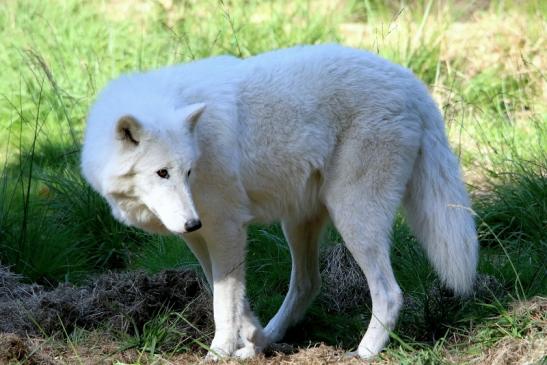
(188, 173)
(163, 173)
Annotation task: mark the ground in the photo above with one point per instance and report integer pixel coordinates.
(96, 349)
(78, 287)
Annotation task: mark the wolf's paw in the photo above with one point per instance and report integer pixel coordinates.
(220, 350)
(252, 339)
(362, 353)
(216, 355)
(247, 352)
(351, 354)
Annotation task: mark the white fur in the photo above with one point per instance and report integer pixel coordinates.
(299, 136)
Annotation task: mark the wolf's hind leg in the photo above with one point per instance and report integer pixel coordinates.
(362, 198)
(365, 227)
(303, 239)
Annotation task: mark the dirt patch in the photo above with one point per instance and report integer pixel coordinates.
(528, 347)
(118, 301)
(15, 349)
(511, 351)
(344, 286)
(12, 347)
(319, 354)
(126, 301)
(523, 341)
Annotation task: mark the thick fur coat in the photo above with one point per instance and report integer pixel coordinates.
(303, 136)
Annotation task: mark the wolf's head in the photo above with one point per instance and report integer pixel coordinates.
(143, 166)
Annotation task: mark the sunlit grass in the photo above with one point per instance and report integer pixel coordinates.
(483, 63)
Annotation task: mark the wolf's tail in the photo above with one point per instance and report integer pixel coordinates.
(437, 206)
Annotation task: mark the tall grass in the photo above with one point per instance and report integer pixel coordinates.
(482, 63)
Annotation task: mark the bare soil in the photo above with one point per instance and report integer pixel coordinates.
(121, 302)
(114, 304)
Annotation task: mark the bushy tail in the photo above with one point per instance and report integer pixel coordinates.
(437, 208)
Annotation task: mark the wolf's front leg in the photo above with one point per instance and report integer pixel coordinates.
(251, 335)
(237, 332)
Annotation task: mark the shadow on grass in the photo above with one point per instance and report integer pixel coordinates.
(54, 227)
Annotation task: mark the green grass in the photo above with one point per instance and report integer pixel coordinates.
(483, 65)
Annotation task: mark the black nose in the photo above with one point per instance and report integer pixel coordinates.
(192, 225)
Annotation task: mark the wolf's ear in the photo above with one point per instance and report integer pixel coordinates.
(128, 130)
(191, 114)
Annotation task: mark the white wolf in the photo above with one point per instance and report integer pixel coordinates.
(302, 136)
